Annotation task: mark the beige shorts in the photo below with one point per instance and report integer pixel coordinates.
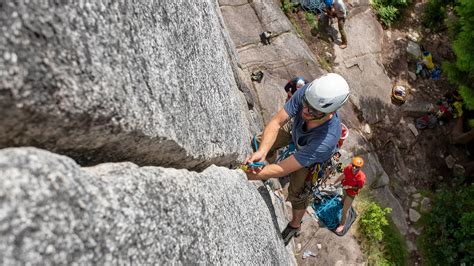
(299, 193)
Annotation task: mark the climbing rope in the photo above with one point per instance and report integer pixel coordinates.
(316, 6)
(253, 164)
(329, 211)
(286, 152)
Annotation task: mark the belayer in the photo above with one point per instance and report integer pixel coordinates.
(352, 180)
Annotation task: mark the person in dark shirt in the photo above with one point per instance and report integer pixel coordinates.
(315, 131)
(293, 85)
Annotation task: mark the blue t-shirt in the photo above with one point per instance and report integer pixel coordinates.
(315, 145)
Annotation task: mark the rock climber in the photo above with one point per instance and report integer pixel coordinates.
(293, 85)
(336, 9)
(352, 180)
(315, 131)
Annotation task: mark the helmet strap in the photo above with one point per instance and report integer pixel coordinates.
(319, 119)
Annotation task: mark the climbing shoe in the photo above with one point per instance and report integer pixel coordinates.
(289, 233)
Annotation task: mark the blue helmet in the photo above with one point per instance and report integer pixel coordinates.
(328, 2)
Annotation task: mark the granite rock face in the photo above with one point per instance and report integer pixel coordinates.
(54, 212)
(147, 82)
(285, 58)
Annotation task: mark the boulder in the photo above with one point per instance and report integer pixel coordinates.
(458, 170)
(413, 215)
(386, 199)
(415, 231)
(411, 246)
(450, 161)
(413, 49)
(54, 212)
(416, 196)
(425, 204)
(145, 82)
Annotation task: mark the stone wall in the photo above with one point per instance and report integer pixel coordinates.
(147, 82)
(54, 212)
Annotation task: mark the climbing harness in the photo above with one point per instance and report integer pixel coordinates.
(286, 152)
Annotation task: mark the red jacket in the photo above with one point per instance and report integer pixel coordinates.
(352, 180)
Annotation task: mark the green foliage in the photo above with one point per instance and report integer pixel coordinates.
(461, 72)
(372, 222)
(434, 14)
(287, 6)
(395, 248)
(448, 237)
(467, 95)
(391, 249)
(388, 11)
(311, 21)
(470, 122)
(387, 14)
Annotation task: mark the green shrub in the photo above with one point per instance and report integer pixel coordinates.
(461, 72)
(395, 248)
(372, 222)
(388, 10)
(387, 14)
(380, 239)
(287, 6)
(448, 237)
(311, 21)
(434, 14)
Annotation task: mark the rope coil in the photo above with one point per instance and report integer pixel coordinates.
(316, 6)
(329, 211)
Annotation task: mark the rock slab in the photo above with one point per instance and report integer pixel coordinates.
(147, 82)
(54, 212)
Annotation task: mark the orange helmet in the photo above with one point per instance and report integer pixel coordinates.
(358, 161)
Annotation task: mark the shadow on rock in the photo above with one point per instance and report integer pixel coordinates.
(268, 201)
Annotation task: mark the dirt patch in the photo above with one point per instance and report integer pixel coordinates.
(320, 46)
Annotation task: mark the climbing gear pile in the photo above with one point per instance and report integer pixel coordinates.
(399, 94)
(265, 37)
(257, 76)
(426, 121)
(329, 210)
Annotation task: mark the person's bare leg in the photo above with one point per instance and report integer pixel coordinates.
(347, 203)
(297, 217)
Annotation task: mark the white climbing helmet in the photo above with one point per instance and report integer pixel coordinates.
(327, 93)
(299, 83)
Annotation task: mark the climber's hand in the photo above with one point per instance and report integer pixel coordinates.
(252, 174)
(258, 156)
